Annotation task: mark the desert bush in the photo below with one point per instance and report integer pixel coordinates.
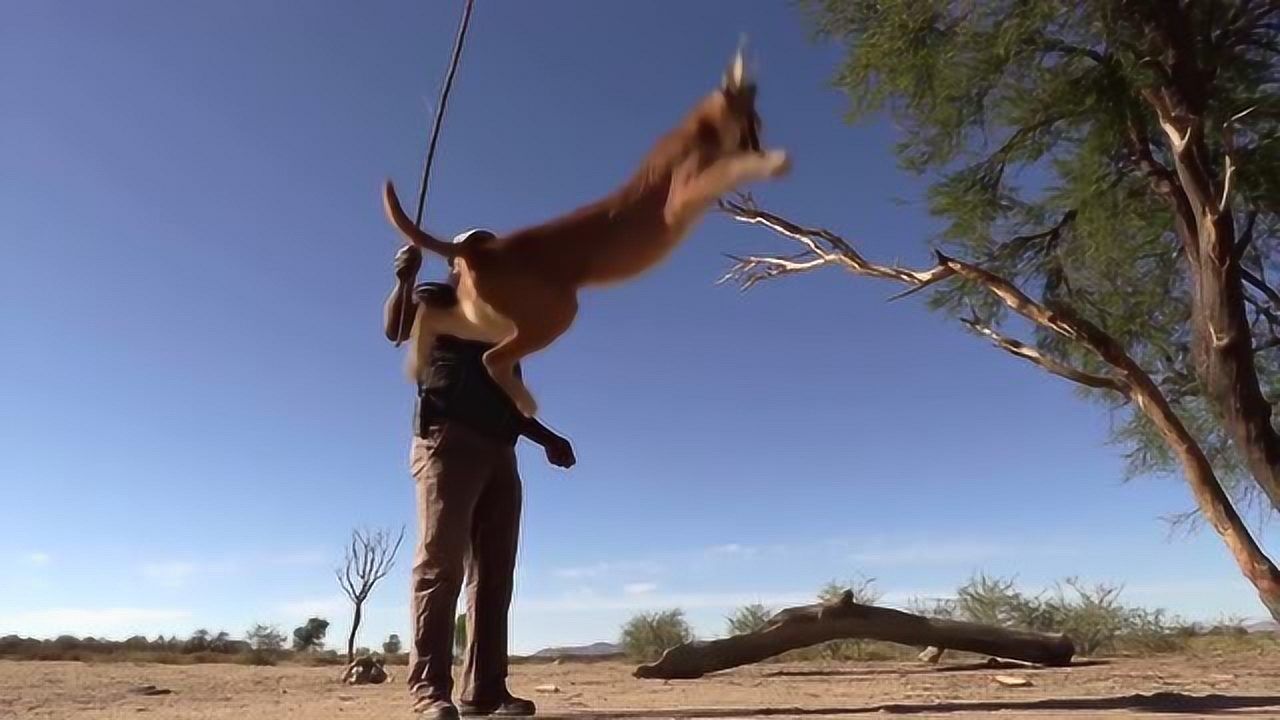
(748, 619)
(1093, 615)
(647, 635)
(864, 592)
(268, 644)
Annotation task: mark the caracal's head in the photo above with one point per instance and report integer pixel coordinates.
(731, 111)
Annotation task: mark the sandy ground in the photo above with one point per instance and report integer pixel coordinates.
(1238, 685)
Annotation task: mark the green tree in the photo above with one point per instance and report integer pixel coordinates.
(311, 635)
(220, 642)
(392, 646)
(748, 619)
(647, 635)
(1108, 170)
(198, 642)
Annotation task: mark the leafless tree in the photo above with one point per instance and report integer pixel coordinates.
(369, 558)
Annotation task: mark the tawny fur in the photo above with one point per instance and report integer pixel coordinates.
(520, 291)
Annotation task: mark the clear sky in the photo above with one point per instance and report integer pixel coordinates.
(197, 403)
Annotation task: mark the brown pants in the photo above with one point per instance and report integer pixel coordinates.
(469, 499)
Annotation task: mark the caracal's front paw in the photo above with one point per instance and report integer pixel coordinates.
(777, 163)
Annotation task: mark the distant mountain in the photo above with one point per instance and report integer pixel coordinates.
(600, 649)
(1263, 626)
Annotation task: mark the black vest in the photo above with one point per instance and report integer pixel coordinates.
(457, 387)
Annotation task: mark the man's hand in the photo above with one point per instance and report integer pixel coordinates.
(559, 452)
(408, 262)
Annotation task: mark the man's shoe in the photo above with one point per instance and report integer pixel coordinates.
(510, 706)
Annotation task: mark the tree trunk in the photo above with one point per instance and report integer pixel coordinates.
(807, 625)
(1201, 197)
(355, 626)
(1213, 501)
(1223, 353)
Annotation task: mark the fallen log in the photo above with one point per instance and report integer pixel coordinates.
(807, 625)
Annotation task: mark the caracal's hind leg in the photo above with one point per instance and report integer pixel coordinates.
(539, 322)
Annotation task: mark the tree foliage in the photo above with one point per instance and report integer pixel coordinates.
(1038, 123)
(310, 636)
(392, 646)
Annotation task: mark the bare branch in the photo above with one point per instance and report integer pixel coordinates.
(1015, 245)
(1272, 296)
(1030, 354)
(1246, 236)
(1229, 150)
(821, 247)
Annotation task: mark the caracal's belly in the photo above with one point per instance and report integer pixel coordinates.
(481, 321)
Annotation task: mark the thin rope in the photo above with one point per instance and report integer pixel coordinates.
(435, 138)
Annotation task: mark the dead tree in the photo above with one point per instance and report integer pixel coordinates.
(1124, 376)
(368, 560)
(844, 619)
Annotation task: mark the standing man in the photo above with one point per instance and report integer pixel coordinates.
(469, 495)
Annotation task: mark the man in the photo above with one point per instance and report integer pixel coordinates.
(469, 495)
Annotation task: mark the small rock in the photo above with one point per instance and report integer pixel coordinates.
(346, 698)
(150, 690)
(547, 689)
(1012, 681)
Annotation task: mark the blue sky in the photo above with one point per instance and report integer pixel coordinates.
(198, 404)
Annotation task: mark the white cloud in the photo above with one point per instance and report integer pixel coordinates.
(99, 622)
(313, 607)
(300, 558)
(177, 573)
(946, 552)
(640, 567)
(733, 549)
(168, 574)
(586, 600)
(37, 559)
(642, 588)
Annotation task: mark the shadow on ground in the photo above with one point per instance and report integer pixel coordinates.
(1165, 702)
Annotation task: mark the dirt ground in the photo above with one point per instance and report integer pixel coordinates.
(1235, 685)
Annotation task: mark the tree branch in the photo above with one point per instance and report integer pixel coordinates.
(1246, 236)
(1211, 498)
(1030, 354)
(821, 247)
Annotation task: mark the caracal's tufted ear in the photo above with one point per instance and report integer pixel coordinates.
(735, 78)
